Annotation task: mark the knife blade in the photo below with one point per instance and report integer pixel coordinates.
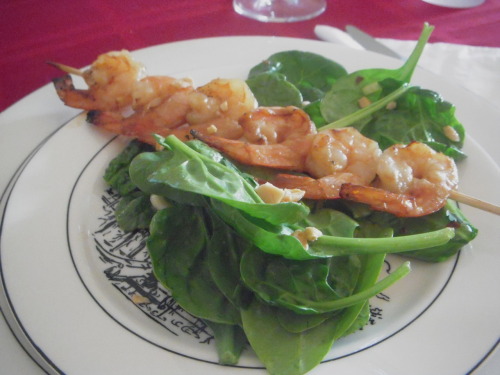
(334, 35)
(369, 42)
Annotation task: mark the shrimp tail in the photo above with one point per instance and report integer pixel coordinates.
(322, 188)
(71, 96)
(115, 123)
(109, 121)
(276, 156)
(382, 200)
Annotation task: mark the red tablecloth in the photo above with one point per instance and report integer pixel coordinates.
(75, 32)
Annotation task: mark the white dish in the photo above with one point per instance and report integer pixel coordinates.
(72, 319)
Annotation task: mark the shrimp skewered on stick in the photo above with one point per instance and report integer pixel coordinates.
(333, 157)
(272, 137)
(213, 108)
(413, 180)
(116, 82)
(121, 99)
(224, 113)
(407, 181)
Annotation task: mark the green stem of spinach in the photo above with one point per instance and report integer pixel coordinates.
(367, 111)
(408, 68)
(337, 246)
(332, 305)
(172, 142)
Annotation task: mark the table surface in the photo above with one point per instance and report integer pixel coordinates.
(75, 32)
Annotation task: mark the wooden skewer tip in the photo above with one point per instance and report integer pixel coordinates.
(66, 68)
(474, 202)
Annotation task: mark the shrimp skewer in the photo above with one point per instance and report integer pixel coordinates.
(333, 157)
(413, 180)
(271, 137)
(224, 114)
(122, 100)
(213, 108)
(408, 181)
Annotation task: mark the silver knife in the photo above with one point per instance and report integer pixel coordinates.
(369, 42)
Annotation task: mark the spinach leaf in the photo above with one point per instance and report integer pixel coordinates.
(331, 222)
(177, 247)
(448, 216)
(296, 323)
(302, 286)
(277, 239)
(183, 169)
(291, 348)
(314, 111)
(134, 211)
(224, 253)
(117, 175)
(343, 274)
(215, 155)
(312, 74)
(145, 164)
(282, 282)
(359, 316)
(274, 239)
(420, 115)
(281, 351)
(342, 99)
(273, 89)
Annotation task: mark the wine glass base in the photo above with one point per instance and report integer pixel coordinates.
(279, 10)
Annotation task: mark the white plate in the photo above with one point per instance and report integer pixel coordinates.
(57, 262)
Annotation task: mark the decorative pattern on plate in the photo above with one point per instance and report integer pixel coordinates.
(128, 268)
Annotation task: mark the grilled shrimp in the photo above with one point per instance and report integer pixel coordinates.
(271, 137)
(413, 180)
(212, 108)
(274, 125)
(335, 157)
(121, 99)
(343, 151)
(115, 82)
(408, 180)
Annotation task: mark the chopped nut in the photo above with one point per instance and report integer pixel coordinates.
(391, 105)
(312, 234)
(212, 129)
(293, 195)
(364, 102)
(270, 193)
(451, 133)
(371, 88)
(138, 299)
(301, 236)
(158, 202)
(224, 106)
(307, 235)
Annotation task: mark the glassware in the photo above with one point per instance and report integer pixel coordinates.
(455, 3)
(279, 10)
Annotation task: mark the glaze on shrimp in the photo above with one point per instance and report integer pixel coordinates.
(413, 180)
(213, 108)
(116, 82)
(271, 137)
(335, 157)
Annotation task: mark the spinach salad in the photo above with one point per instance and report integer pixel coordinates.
(230, 259)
